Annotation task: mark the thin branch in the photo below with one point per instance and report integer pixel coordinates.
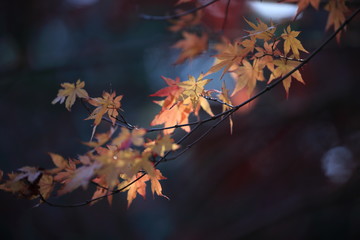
(218, 101)
(168, 17)
(226, 15)
(283, 57)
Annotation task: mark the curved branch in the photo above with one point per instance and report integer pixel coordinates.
(226, 15)
(168, 17)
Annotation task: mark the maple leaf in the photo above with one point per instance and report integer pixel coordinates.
(46, 185)
(115, 162)
(173, 91)
(303, 4)
(191, 46)
(247, 75)
(162, 145)
(30, 173)
(232, 55)
(193, 89)
(176, 115)
(155, 184)
(70, 92)
(249, 44)
(291, 42)
(138, 187)
(261, 30)
(101, 190)
(337, 10)
(127, 137)
(107, 104)
(224, 96)
(283, 67)
(101, 138)
(80, 177)
(58, 160)
(21, 187)
(65, 176)
(265, 54)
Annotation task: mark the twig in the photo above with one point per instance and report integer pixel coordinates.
(226, 15)
(168, 17)
(218, 101)
(283, 57)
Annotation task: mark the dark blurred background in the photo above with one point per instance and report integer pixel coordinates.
(289, 171)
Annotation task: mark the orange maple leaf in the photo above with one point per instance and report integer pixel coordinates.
(177, 114)
(138, 187)
(261, 30)
(231, 55)
(265, 55)
(303, 4)
(172, 112)
(191, 46)
(337, 10)
(283, 67)
(101, 138)
(101, 191)
(172, 92)
(106, 104)
(247, 75)
(127, 137)
(291, 42)
(155, 184)
(70, 92)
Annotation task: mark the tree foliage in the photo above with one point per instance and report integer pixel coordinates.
(124, 159)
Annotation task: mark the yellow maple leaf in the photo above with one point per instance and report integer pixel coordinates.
(107, 104)
(283, 67)
(70, 92)
(192, 45)
(225, 97)
(337, 10)
(193, 89)
(291, 42)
